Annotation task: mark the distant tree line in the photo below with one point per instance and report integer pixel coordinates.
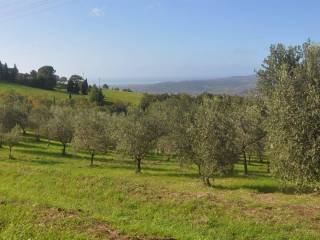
(44, 78)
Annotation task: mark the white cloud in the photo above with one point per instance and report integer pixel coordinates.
(96, 12)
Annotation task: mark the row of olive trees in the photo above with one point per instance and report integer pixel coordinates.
(210, 132)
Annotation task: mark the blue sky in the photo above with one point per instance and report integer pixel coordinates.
(144, 41)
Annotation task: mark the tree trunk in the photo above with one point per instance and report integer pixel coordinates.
(245, 164)
(92, 157)
(260, 157)
(37, 135)
(268, 169)
(64, 149)
(10, 150)
(199, 169)
(138, 165)
(206, 181)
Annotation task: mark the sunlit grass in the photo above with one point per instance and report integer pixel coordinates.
(59, 95)
(122, 96)
(44, 195)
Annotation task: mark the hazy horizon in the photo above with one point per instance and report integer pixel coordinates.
(147, 41)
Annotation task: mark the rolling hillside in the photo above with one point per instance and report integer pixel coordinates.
(229, 85)
(111, 95)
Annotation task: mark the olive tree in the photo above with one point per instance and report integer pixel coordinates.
(176, 116)
(289, 83)
(61, 125)
(92, 133)
(12, 138)
(14, 111)
(38, 118)
(249, 126)
(214, 138)
(137, 135)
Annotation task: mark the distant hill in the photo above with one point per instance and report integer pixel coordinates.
(230, 85)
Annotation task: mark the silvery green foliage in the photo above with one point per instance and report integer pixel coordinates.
(12, 138)
(137, 134)
(249, 124)
(61, 125)
(91, 132)
(38, 119)
(214, 138)
(293, 108)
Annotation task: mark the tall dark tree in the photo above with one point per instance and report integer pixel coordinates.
(14, 73)
(46, 77)
(84, 87)
(32, 78)
(5, 72)
(70, 86)
(76, 79)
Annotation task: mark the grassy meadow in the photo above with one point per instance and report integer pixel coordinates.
(44, 195)
(110, 95)
(133, 98)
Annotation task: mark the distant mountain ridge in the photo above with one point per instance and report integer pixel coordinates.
(235, 85)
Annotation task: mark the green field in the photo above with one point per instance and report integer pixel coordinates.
(44, 195)
(111, 95)
(121, 96)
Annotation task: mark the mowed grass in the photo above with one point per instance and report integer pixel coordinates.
(33, 92)
(44, 195)
(133, 98)
(60, 95)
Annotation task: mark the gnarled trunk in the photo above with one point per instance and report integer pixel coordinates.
(92, 157)
(64, 149)
(10, 151)
(206, 181)
(138, 164)
(245, 163)
(37, 136)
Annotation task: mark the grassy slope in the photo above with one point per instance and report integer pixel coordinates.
(120, 96)
(46, 196)
(112, 96)
(29, 91)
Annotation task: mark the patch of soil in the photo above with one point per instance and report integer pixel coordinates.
(93, 227)
(305, 212)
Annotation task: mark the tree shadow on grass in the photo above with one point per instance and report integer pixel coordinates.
(172, 173)
(30, 145)
(258, 188)
(289, 190)
(45, 153)
(42, 162)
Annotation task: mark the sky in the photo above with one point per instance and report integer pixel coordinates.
(146, 41)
